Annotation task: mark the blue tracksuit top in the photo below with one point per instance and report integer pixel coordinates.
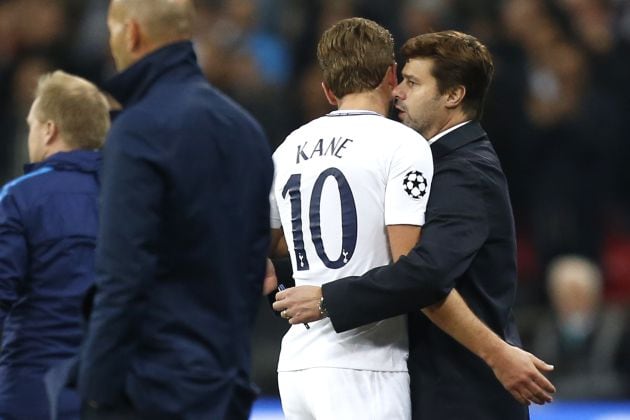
(48, 228)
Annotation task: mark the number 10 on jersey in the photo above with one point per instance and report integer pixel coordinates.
(348, 219)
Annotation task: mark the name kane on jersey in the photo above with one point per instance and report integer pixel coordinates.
(331, 147)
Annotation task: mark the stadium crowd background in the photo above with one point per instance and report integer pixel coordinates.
(555, 114)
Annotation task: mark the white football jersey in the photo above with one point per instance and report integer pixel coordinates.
(339, 181)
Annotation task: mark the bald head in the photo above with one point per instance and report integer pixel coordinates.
(137, 27)
(161, 19)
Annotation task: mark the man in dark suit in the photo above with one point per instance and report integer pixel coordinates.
(468, 244)
(184, 232)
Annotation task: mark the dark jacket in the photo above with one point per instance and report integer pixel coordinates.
(183, 241)
(48, 227)
(467, 243)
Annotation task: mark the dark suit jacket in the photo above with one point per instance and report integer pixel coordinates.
(182, 246)
(468, 243)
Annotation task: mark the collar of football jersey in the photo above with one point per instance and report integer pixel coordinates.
(351, 113)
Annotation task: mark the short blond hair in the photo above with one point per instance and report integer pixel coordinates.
(354, 55)
(76, 106)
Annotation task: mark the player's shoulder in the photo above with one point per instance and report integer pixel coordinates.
(400, 140)
(404, 133)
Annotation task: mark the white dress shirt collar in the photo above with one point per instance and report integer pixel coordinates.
(445, 132)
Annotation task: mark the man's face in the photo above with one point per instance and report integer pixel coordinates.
(418, 100)
(36, 135)
(117, 36)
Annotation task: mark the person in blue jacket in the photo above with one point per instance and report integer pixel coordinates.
(48, 228)
(184, 232)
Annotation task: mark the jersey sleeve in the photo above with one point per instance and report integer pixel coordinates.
(409, 182)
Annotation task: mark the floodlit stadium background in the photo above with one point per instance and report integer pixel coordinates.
(556, 115)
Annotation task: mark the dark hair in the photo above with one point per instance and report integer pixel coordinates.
(458, 59)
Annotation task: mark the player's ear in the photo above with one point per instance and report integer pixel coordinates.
(330, 96)
(391, 76)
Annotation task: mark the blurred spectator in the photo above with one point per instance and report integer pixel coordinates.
(597, 27)
(567, 170)
(8, 34)
(583, 337)
(564, 130)
(13, 151)
(89, 46)
(313, 103)
(623, 7)
(250, 63)
(39, 24)
(420, 16)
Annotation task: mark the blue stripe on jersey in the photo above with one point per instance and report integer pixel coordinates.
(40, 171)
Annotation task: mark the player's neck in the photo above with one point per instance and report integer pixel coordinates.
(366, 101)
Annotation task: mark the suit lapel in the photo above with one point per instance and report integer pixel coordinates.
(457, 138)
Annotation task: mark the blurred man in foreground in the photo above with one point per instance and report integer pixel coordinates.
(184, 234)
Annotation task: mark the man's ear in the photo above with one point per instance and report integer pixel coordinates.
(330, 96)
(133, 35)
(50, 132)
(391, 76)
(455, 96)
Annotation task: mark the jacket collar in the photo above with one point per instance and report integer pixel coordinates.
(130, 85)
(457, 138)
(77, 160)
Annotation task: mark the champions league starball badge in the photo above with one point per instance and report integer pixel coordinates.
(415, 185)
